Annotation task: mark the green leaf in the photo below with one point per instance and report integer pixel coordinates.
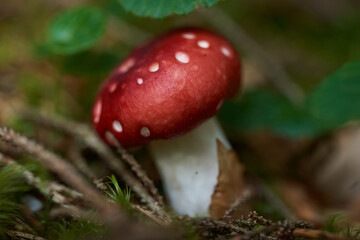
(163, 8)
(266, 110)
(76, 30)
(337, 99)
(89, 63)
(208, 3)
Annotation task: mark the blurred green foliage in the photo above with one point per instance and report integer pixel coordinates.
(32, 86)
(11, 189)
(339, 224)
(163, 8)
(265, 110)
(36, 168)
(75, 30)
(334, 102)
(90, 63)
(77, 230)
(337, 99)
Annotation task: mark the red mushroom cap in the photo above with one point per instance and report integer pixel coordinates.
(167, 87)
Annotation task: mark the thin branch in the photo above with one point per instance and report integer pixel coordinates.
(245, 196)
(80, 163)
(82, 133)
(274, 70)
(261, 232)
(275, 200)
(64, 170)
(136, 168)
(21, 235)
(150, 215)
(55, 190)
(286, 229)
(217, 226)
(50, 189)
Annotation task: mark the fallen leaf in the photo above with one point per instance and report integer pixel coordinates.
(333, 166)
(230, 183)
(275, 152)
(300, 201)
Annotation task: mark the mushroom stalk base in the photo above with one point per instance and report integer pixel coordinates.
(189, 167)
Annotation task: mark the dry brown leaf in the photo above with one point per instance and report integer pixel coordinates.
(275, 152)
(333, 167)
(230, 181)
(296, 197)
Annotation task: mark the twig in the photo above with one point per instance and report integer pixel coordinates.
(150, 215)
(21, 235)
(66, 211)
(65, 171)
(141, 174)
(51, 189)
(316, 234)
(217, 226)
(245, 196)
(276, 73)
(275, 201)
(9, 150)
(136, 168)
(285, 229)
(75, 156)
(82, 133)
(54, 189)
(261, 232)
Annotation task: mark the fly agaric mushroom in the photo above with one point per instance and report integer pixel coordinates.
(164, 92)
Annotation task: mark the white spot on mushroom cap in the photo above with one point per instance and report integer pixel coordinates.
(203, 44)
(188, 35)
(113, 86)
(140, 81)
(182, 57)
(226, 51)
(127, 65)
(97, 111)
(145, 132)
(154, 67)
(117, 126)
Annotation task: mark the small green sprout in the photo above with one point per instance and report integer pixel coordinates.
(120, 197)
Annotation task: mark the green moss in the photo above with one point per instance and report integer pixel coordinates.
(338, 224)
(11, 188)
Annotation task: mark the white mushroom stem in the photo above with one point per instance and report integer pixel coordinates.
(189, 168)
